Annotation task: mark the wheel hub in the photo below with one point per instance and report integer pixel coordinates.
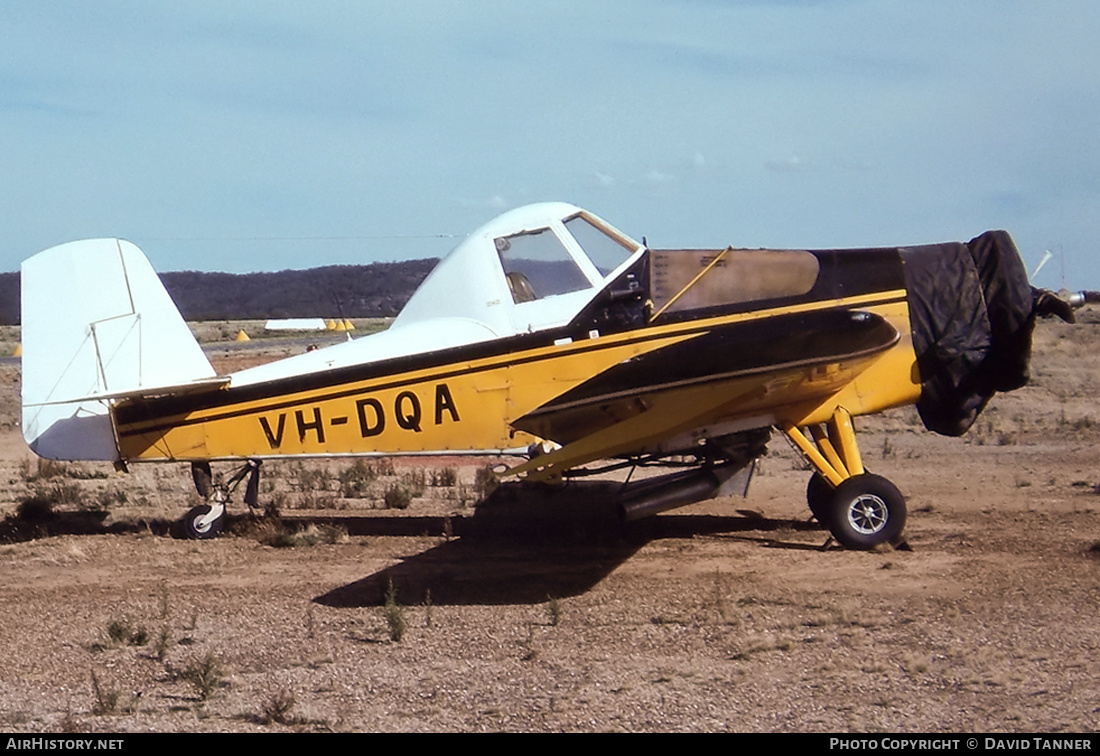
(868, 514)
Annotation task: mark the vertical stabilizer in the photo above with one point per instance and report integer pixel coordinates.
(97, 324)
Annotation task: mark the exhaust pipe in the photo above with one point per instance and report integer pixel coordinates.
(651, 497)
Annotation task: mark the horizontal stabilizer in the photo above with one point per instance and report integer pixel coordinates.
(98, 325)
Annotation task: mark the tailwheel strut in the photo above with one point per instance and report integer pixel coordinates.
(207, 520)
(860, 509)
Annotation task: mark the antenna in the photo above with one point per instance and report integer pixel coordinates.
(340, 309)
(1047, 254)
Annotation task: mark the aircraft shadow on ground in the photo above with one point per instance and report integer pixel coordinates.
(524, 547)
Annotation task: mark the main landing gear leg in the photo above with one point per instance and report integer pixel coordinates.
(861, 510)
(207, 520)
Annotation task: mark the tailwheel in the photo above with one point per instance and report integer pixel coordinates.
(866, 511)
(203, 521)
(207, 520)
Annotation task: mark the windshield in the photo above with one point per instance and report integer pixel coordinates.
(604, 250)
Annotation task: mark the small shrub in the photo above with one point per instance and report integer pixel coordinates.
(461, 494)
(554, 611)
(107, 497)
(395, 614)
(446, 477)
(332, 534)
(42, 469)
(277, 708)
(121, 632)
(106, 701)
(205, 676)
(163, 599)
(318, 500)
(281, 536)
(415, 479)
(356, 480)
(317, 534)
(485, 482)
(162, 644)
(46, 469)
(398, 496)
(59, 494)
(276, 534)
(311, 478)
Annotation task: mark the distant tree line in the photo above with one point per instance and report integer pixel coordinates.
(351, 291)
(9, 298)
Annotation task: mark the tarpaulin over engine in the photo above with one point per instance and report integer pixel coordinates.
(972, 313)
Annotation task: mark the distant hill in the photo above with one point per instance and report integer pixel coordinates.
(363, 291)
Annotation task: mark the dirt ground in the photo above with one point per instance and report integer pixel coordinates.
(541, 613)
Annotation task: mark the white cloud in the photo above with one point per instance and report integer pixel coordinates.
(788, 164)
(603, 180)
(495, 202)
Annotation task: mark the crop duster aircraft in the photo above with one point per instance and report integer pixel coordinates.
(550, 333)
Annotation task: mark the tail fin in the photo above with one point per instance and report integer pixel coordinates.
(97, 325)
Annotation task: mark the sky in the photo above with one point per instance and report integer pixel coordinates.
(247, 136)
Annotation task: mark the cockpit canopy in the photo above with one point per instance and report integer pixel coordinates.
(531, 268)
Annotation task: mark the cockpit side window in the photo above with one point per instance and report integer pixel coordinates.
(605, 251)
(537, 265)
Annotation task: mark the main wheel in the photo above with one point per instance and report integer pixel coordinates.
(866, 510)
(196, 527)
(819, 495)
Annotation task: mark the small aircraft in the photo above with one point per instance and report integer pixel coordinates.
(551, 334)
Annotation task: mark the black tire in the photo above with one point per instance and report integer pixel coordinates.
(819, 495)
(866, 511)
(192, 529)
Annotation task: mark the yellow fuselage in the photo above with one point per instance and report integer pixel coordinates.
(466, 404)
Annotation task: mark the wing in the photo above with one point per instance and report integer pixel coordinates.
(734, 376)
